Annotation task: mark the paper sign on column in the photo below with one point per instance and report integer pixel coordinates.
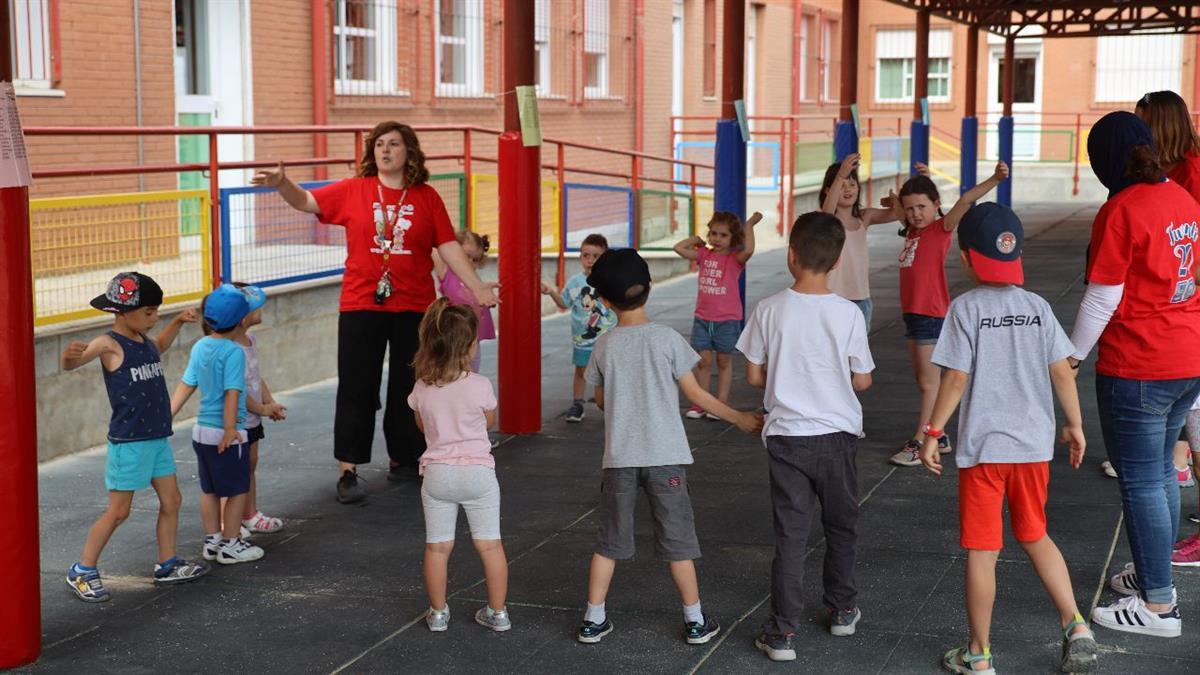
(527, 111)
(14, 163)
(739, 109)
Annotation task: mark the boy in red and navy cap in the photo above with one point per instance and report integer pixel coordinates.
(139, 454)
(1002, 351)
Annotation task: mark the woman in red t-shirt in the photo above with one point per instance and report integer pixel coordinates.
(394, 220)
(1140, 305)
(1174, 137)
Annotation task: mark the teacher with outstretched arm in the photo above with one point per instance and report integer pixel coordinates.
(394, 220)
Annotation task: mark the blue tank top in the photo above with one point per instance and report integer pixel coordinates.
(141, 407)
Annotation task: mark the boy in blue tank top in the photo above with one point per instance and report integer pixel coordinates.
(138, 452)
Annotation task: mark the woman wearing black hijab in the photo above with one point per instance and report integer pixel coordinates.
(1140, 306)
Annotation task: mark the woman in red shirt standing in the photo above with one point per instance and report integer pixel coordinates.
(1141, 306)
(394, 220)
(1174, 136)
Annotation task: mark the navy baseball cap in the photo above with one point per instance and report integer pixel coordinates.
(992, 236)
(617, 275)
(225, 307)
(129, 291)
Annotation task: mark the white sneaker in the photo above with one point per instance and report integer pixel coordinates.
(1107, 467)
(909, 455)
(210, 549)
(694, 413)
(1131, 616)
(238, 551)
(1125, 582)
(438, 620)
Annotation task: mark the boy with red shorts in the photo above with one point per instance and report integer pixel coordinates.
(1001, 350)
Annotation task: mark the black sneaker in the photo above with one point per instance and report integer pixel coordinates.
(403, 473)
(776, 647)
(591, 633)
(575, 412)
(699, 632)
(349, 490)
(944, 445)
(843, 622)
(1194, 517)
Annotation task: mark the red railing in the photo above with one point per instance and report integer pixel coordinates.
(467, 157)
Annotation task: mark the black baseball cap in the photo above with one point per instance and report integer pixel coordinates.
(129, 291)
(992, 236)
(617, 274)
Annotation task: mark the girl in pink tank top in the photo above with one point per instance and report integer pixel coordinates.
(454, 290)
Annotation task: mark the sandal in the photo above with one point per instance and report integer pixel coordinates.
(260, 524)
(961, 660)
(1079, 650)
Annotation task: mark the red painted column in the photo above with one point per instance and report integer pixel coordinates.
(320, 82)
(849, 77)
(733, 56)
(520, 240)
(21, 612)
(921, 66)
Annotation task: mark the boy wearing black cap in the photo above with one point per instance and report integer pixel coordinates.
(635, 367)
(1002, 350)
(138, 452)
(217, 366)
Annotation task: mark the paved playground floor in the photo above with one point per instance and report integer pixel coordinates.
(340, 588)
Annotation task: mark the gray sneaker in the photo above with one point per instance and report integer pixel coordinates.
(575, 412)
(843, 622)
(349, 489)
(776, 647)
(497, 621)
(438, 620)
(178, 571)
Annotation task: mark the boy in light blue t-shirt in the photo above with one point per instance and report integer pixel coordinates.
(590, 317)
(217, 366)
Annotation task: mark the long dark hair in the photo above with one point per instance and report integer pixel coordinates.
(827, 183)
(415, 172)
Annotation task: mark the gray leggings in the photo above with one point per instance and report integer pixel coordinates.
(446, 486)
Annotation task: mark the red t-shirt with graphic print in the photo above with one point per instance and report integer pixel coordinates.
(923, 287)
(1145, 237)
(419, 223)
(1187, 174)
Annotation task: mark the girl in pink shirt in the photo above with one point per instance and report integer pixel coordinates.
(454, 408)
(719, 313)
(453, 288)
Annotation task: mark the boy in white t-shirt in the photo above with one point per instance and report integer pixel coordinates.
(808, 347)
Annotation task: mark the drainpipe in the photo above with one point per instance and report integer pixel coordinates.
(137, 86)
(797, 22)
(639, 142)
(320, 79)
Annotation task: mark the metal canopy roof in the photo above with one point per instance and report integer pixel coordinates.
(1066, 18)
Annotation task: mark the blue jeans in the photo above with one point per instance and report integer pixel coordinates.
(1141, 420)
(868, 308)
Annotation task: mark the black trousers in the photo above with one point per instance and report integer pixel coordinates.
(363, 337)
(806, 470)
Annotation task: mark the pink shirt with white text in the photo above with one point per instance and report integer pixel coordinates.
(717, 297)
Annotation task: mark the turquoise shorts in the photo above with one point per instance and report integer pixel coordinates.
(131, 466)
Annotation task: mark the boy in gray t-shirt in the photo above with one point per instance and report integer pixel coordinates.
(638, 368)
(1001, 350)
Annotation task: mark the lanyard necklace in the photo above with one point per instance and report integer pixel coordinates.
(383, 290)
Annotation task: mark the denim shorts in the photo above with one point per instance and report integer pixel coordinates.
(715, 336)
(922, 329)
(867, 306)
(133, 464)
(224, 474)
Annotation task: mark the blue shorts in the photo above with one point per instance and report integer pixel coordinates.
(581, 355)
(224, 474)
(715, 336)
(922, 329)
(133, 464)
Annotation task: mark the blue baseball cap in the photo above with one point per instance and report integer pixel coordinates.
(992, 236)
(225, 307)
(255, 296)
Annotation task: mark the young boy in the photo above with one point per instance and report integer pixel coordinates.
(217, 366)
(808, 348)
(635, 368)
(138, 452)
(590, 318)
(1001, 350)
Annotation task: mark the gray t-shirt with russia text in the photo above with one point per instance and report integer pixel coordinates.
(639, 368)
(1005, 338)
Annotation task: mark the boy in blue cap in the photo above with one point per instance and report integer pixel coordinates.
(139, 455)
(1002, 351)
(217, 366)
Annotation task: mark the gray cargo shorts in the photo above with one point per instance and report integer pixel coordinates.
(670, 508)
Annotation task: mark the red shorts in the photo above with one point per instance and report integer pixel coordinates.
(981, 492)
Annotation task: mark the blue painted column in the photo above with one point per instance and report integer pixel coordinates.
(845, 140)
(730, 180)
(1004, 191)
(918, 146)
(969, 158)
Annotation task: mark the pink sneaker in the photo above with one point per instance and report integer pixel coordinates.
(1187, 542)
(694, 413)
(1187, 555)
(1184, 477)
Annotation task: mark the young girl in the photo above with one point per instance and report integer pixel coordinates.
(840, 193)
(476, 248)
(454, 408)
(924, 295)
(718, 304)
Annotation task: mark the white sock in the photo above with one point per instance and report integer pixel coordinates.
(692, 613)
(595, 613)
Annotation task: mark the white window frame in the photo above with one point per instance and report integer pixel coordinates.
(940, 48)
(1160, 67)
(33, 70)
(596, 43)
(826, 58)
(541, 45)
(802, 85)
(383, 36)
(472, 44)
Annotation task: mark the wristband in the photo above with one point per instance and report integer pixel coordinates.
(930, 432)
